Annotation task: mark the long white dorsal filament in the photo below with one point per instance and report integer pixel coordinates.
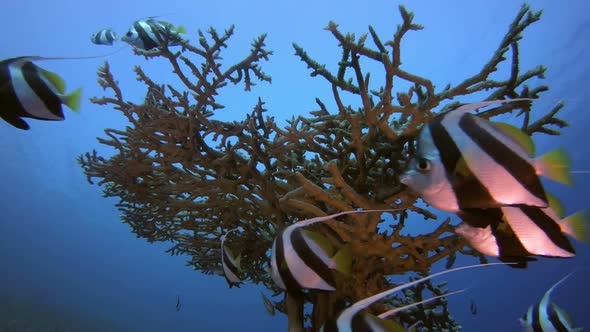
(363, 304)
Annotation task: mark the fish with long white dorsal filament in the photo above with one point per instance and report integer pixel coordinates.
(464, 161)
(302, 259)
(546, 316)
(355, 319)
(149, 33)
(515, 233)
(230, 263)
(29, 91)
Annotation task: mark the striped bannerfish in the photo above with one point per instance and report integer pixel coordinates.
(464, 161)
(230, 263)
(515, 233)
(147, 34)
(104, 37)
(546, 316)
(354, 319)
(303, 259)
(29, 91)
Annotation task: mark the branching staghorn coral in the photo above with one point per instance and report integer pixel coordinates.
(184, 177)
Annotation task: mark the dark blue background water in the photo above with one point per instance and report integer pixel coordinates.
(66, 260)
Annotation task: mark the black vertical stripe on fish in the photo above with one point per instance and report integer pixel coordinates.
(359, 323)
(144, 35)
(52, 102)
(309, 257)
(554, 318)
(549, 226)
(11, 109)
(472, 192)
(481, 217)
(284, 273)
(520, 169)
(508, 242)
(110, 37)
(536, 319)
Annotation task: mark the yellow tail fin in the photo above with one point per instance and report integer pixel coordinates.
(555, 165)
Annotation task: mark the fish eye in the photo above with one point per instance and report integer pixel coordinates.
(423, 165)
(129, 34)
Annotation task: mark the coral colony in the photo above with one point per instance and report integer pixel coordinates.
(184, 177)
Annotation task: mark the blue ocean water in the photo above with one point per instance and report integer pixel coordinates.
(69, 264)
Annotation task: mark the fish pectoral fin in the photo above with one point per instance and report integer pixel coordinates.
(73, 100)
(555, 165)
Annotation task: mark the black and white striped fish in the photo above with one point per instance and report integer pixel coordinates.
(515, 233)
(104, 37)
(303, 259)
(464, 161)
(149, 33)
(29, 91)
(355, 319)
(546, 316)
(230, 263)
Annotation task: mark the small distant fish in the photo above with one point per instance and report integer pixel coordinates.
(472, 307)
(353, 319)
(145, 34)
(178, 305)
(29, 91)
(104, 37)
(515, 233)
(464, 161)
(546, 316)
(303, 259)
(230, 263)
(270, 308)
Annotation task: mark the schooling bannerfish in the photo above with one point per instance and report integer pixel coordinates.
(303, 259)
(464, 161)
(515, 233)
(354, 319)
(29, 91)
(147, 34)
(546, 316)
(230, 263)
(104, 37)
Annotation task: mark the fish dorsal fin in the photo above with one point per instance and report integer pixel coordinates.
(54, 79)
(365, 303)
(563, 313)
(547, 297)
(556, 205)
(411, 305)
(473, 106)
(519, 136)
(320, 240)
(314, 220)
